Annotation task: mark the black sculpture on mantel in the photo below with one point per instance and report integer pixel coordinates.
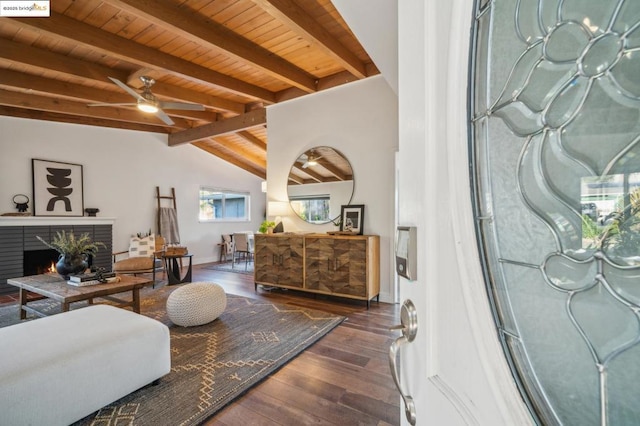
(22, 202)
(91, 211)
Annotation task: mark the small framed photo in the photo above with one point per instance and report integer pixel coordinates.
(352, 218)
(57, 188)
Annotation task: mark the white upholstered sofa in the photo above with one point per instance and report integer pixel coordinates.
(59, 369)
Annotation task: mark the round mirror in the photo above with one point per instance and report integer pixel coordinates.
(320, 183)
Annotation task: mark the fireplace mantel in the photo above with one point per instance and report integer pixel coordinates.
(54, 221)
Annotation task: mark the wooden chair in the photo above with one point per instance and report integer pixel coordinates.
(144, 257)
(226, 247)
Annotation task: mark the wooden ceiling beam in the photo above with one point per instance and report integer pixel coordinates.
(46, 60)
(331, 168)
(76, 119)
(215, 102)
(295, 180)
(257, 160)
(217, 128)
(205, 32)
(295, 17)
(316, 177)
(44, 103)
(65, 89)
(79, 92)
(224, 155)
(252, 139)
(334, 80)
(60, 26)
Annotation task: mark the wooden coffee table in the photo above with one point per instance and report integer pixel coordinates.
(55, 288)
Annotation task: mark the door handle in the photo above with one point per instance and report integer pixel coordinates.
(409, 326)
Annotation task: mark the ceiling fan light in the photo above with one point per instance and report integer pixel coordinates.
(147, 107)
(312, 162)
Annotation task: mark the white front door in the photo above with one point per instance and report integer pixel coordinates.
(455, 369)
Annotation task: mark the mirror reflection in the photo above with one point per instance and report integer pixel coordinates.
(320, 183)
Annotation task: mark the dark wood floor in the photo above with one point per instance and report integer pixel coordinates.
(344, 379)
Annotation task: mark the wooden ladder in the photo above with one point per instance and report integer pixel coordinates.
(159, 198)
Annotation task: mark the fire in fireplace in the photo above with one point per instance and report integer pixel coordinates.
(37, 262)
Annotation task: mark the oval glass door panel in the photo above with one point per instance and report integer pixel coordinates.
(555, 146)
(320, 182)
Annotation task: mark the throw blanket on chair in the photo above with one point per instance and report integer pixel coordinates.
(169, 225)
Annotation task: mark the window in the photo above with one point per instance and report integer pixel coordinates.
(312, 208)
(555, 130)
(225, 205)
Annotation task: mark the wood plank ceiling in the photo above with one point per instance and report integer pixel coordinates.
(234, 57)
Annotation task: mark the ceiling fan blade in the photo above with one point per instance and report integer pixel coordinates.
(164, 117)
(181, 105)
(127, 89)
(118, 104)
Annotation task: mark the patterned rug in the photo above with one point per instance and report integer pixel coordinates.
(226, 266)
(212, 364)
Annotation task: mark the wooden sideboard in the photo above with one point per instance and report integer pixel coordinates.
(339, 265)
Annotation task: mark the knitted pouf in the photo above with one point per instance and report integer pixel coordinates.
(196, 304)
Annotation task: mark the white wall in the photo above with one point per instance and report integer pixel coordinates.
(360, 121)
(121, 171)
(375, 24)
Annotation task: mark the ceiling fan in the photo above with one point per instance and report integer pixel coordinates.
(309, 160)
(147, 102)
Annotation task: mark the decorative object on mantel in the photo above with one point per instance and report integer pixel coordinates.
(57, 188)
(352, 218)
(22, 202)
(91, 211)
(74, 252)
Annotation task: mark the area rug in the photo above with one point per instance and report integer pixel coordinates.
(226, 266)
(213, 364)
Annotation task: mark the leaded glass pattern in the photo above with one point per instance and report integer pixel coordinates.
(555, 149)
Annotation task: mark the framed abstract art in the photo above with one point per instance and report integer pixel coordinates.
(57, 188)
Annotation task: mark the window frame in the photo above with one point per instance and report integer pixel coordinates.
(224, 193)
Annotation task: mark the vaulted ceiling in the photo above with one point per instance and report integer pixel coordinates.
(230, 58)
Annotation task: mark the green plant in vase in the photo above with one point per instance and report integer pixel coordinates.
(74, 251)
(266, 226)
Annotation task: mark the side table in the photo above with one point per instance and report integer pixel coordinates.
(174, 271)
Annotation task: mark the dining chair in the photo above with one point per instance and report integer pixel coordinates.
(242, 247)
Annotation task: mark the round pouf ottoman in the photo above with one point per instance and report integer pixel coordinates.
(196, 304)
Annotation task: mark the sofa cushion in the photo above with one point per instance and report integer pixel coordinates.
(133, 264)
(144, 247)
